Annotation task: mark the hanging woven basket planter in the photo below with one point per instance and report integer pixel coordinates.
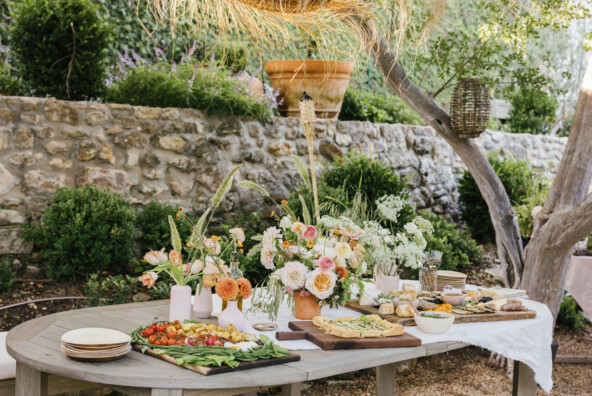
(470, 108)
(287, 6)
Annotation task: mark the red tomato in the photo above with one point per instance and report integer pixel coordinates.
(164, 340)
(157, 342)
(172, 333)
(180, 342)
(152, 339)
(143, 334)
(161, 327)
(178, 326)
(172, 342)
(149, 331)
(210, 341)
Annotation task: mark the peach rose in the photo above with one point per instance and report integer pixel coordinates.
(175, 258)
(321, 283)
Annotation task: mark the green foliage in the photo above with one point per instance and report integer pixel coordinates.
(377, 108)
(570, 314)
(59, 46)
(9, 85)
(519, 181)
(83, 231)
(535, 197)
(7, 276)
(121, 289)
(459, 250)
(589, 242)
(533, 111)
(154, 229)
(207, 88)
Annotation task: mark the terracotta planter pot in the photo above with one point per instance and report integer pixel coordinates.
(323, 80)
(306, 307)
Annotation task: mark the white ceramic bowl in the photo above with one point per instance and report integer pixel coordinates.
(434, 325)
(453, 300)
(397, 301)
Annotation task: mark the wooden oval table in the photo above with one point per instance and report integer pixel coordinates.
(36, 347)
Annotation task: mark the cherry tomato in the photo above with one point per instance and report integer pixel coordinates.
(210, 341)
(172, 333)
(157, 342)
(143, 334)
(172, 342)
(152, 339)
(164, 340)
(180, 342)
(161, 327)
(149, 331)
(178, 326)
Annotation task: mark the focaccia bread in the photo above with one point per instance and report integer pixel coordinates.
(386, 309)
(358, 327)
(404, 311)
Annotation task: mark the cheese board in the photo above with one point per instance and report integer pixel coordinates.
(306, 330)
(473, 318)
(222, 369)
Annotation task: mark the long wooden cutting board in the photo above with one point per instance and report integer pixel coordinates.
(473, 318)
(222, 369)
(307, 330)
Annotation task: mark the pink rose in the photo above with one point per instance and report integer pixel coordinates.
(305, 293)
(289, 290)
(325, 263)
(310, 232)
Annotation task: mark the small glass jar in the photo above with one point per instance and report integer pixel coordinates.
(428, 279)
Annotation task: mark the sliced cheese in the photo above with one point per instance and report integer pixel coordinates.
(366, 299)
(386, 309)
(495, 304)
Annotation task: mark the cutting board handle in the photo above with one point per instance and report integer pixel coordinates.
(291, 335)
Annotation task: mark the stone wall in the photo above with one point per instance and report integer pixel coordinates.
(181, 156)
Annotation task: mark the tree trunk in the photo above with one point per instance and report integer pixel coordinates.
(500, 209)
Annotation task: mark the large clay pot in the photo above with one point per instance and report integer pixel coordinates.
(202, 304)
(323, 80)
(180, 304)
(306, 307)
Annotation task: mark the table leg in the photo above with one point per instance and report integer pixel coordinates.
(523, 381)
(29, 381)
(166, 392)
(291, 389)
(385, 379)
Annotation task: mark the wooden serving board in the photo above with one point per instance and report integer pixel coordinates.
(307, 330)
(222, 369)
(473, 318)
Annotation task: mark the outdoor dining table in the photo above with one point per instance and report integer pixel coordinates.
(36, 347)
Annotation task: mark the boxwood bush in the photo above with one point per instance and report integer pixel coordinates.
(376, 107)
(153, 226)
(83, 231)
(533, 111)
(60, 47)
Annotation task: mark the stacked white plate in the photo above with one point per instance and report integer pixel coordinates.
(95, 344)
(451, 278)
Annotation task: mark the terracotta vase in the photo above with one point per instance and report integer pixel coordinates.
(232, 315)
(386, 283)
(180, 303)
(324, 80)
(306, 307)
(202, 304)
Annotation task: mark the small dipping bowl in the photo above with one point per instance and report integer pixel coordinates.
(434, 325)
(453, 298)
(414, 302)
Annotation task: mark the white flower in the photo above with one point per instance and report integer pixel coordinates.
(285, 223)
(424, 225)
(411, 228)
(293, 274)
(213, 247)
(298, 251)
(390, 206)
(343, 250)
(196, 267)
(155, 257)
(298, 227)
(237, 233)
(364, 267)
(267, 256)
(321, 283)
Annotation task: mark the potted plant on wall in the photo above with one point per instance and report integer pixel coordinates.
(324, 80)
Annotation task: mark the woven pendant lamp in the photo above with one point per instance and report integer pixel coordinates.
(470, 108)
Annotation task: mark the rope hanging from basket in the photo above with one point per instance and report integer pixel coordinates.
(307, 119)
(470, 108)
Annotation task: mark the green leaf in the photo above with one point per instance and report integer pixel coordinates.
(302, 171)
(255, 186)
(175, 237)
(305, 212)
(224, 188)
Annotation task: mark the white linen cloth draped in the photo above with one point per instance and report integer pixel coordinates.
(528, 341)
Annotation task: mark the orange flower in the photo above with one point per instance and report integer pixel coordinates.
(209, 280)
(227, 289)
(336, 232)
(341, 272)
(353, 243)
(284, 202)
(175, 258)
(272, 213)
(244, 288)
(180, 209)
(215, 238)
(310, 245)
(286, 244)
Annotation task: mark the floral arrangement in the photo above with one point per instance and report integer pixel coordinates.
(202, 257)
(230, 289)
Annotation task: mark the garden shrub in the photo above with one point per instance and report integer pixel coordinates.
(211, 88)
(518, 179)
(7, 276)
(459, 249)
(377, 108)
(533, 111)
(60, 47)
(9, 85)
(570, 314)
(535, 197)
(83, 231)
(153, 226)
(121, 289)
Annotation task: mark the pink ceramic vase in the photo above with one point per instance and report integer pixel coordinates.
(202, 304)
(386, 283)
(232, 315)
(180, 304)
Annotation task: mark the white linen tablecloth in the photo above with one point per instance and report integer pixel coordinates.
(528, 341)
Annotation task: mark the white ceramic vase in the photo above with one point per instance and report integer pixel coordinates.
(232, 315)
(180, 304)
(202, 304)
(386, 283)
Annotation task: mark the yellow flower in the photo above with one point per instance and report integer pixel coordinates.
(239, 244)
(272, 213)
(215, 238)
(310, 244)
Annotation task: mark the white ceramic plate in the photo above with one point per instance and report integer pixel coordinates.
(451, 274)
(95, 336)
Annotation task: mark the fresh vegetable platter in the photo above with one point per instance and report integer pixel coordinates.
(208, 349)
